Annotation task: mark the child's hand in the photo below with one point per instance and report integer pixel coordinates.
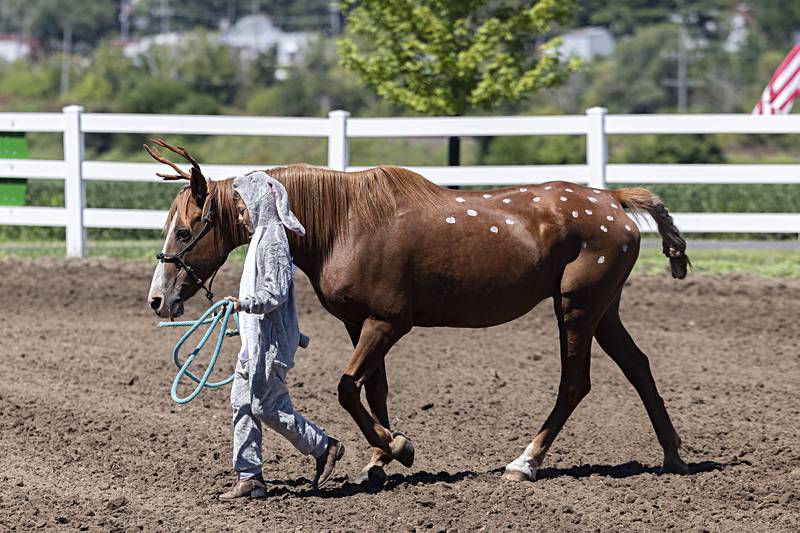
(237, 305)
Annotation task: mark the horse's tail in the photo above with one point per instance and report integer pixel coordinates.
(673, 244)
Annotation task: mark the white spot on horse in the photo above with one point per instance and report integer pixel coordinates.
(588, 211)
(614, 205)
(487, 195)
(574, 214)
(506, 200)
(569, 190)
(460, 200)
(537, 199)
(563, 198)
(509, 222)
(624, 248)
(523, 189)
(610, 218)
(596, 191)
(494, 229)
(604, 229)
(472, 212)
(601, 260)
(592, 199)
(584, 244)
(627, 227)
(548, 187)
(450, 220)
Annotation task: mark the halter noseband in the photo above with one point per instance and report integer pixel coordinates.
(177, 259)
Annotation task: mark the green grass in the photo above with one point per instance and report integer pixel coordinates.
(720, 261)
(760, 263)
(139, 250)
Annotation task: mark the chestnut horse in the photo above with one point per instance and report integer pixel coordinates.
(387, 250)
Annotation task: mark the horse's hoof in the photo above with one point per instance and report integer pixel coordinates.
(371, 476)
(674, 467)
(516, 475)
(402, 449)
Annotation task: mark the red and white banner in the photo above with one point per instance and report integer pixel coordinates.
(783, 88)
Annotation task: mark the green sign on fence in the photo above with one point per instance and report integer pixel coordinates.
(13, 146)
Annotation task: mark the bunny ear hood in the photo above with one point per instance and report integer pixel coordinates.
(266, 200)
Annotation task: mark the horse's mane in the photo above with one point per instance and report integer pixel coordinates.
(226, 225)
(326, 200)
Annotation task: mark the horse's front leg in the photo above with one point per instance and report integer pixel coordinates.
(376, 389)
(375, 340)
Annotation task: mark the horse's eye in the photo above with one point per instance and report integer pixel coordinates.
(183, 235)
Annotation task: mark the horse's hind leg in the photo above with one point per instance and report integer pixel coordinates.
(618, 344)
(375, 340)
(576, 327)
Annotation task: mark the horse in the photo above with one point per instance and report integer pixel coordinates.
(387, 250)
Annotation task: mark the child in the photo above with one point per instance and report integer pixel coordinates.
(270, 336)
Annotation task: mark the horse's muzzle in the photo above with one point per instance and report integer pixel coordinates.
(164, 309)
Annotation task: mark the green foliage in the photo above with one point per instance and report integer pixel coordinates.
(291, 15)
(777, 20)
(151, 95)
(550, 150)
(313, 88)
(209, 67)
(23, 79)
(631, 81)
(45, 20)
(446, 57)
(669, 149)
(729, 198)
(624, 18)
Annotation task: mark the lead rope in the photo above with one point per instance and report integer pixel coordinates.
(220, 319)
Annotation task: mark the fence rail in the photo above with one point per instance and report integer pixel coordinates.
(339, 128)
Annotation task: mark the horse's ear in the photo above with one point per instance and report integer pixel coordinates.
(199, 187)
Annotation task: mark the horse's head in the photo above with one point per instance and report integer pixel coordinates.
(202, 227)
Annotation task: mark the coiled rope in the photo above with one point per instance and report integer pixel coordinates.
(219, 319)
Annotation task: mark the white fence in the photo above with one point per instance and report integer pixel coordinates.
(338, 128)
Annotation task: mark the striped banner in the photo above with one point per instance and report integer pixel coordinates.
(783, 87)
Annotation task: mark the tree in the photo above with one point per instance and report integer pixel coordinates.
(88, 21)
(624, 18)
(778, 20)
(447, 57)
(290, 15)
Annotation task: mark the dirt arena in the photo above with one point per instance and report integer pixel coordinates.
(90, 439)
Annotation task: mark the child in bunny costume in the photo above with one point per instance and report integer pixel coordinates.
(270, 336)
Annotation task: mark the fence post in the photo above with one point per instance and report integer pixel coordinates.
(596, 146)
(338, 145)
(74, 197)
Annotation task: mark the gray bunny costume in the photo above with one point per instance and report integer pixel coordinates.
(269, 331)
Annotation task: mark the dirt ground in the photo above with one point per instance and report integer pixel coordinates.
(90, 439)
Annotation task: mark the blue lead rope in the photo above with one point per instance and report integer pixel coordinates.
(221, 318)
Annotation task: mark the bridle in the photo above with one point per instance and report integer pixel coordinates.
(177, 259)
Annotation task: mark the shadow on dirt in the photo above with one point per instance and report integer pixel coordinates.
(340, 487)
(631, 468)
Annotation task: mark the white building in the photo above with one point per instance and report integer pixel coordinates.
(134, 48)
(13, 47)
(587, 43)
(254, 34)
